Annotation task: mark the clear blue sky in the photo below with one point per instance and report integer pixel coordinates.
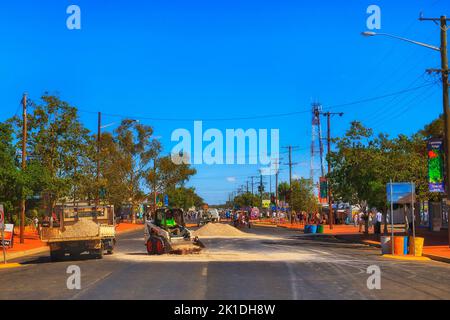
(211, 59)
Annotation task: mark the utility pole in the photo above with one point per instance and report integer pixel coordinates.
(290, 163)
(155, 179)
(330, 197)
(253, 177)
(99, 129)
(261, 187)
(442, 23)
(247, 186)
(24, 165)
(276, 191)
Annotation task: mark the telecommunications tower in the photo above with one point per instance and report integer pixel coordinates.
(316, 145)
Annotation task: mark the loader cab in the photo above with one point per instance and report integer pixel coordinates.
(169, 218)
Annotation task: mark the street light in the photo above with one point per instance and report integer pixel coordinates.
(372, 34)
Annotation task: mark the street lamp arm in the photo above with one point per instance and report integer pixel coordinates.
(371, 34)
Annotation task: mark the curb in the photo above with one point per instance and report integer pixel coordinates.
(21, 254)
(377, 245)
(10, 266)
(406, 258)
(265, 225)
(437, 258)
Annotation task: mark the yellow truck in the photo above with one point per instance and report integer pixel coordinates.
(80, 229)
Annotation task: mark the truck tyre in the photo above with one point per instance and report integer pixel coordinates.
(99, 254)
(56, 255)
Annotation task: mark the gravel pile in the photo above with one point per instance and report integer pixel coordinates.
(83, 228)
(218, 229)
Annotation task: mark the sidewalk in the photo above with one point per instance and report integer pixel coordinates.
(34, 245)
(436, 245)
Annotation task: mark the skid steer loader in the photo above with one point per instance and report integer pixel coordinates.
(166, 232)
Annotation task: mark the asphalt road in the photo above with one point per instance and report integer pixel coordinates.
(270, 263)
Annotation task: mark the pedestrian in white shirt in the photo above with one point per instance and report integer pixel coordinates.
(378, 221)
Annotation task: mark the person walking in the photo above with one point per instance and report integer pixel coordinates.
(378, 221)
(361, 220)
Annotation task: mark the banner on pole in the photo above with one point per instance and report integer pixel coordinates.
(436, 182)
(323, 190)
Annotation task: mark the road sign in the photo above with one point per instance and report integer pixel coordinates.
(159, 204)
(266, 203)
(166, 200)
(401, 193)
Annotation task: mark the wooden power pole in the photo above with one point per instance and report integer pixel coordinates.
(24, 165)
(330, 196)
(442, 22)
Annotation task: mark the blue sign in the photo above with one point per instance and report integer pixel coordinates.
(400, 192)
(166, 200)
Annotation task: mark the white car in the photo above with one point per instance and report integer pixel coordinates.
(214, 214)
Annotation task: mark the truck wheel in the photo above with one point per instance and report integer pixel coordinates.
(56, 255)
(99, 254)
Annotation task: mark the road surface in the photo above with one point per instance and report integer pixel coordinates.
(269, 263)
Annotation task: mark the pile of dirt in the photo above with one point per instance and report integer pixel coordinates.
(218, 229)
(81, 229)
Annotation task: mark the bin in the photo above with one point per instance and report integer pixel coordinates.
(307, 228)
(405, 248)
(418, 244)
(313, 228)
(320, 228)
(386, 245)
(399, 245)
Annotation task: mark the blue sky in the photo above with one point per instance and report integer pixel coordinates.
(224, 59)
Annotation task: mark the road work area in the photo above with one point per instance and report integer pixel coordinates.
(259, 263)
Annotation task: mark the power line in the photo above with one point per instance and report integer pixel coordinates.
(276, 115)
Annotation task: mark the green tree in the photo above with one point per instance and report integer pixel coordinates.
(247, 199)
(303, 198)
(283, 190)
(137, 147)
(166, 175)
(57, 142)
(184, 198)
(9, 173)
